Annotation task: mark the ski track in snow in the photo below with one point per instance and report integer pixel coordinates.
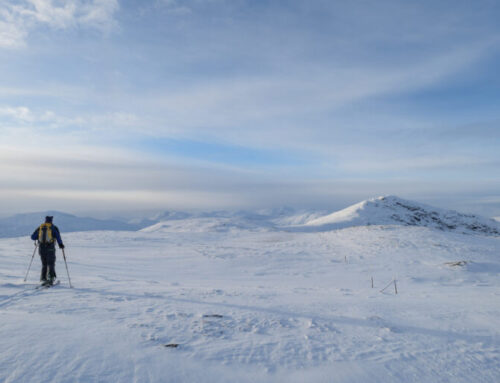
(255, 305)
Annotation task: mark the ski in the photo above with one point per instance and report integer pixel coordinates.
(48, 285)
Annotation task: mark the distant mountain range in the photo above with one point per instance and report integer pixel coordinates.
(388, 210)
(24, 224)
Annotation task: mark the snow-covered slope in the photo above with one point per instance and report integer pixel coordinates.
(200, 225)
(239, 305)
(24, 224)
(221, 221)
(240, 298)
(391, 210)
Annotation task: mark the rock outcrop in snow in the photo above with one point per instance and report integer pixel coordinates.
(392, 210)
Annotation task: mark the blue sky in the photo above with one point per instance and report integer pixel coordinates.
(109, 105)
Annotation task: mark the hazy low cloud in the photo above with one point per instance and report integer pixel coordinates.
(391, 164)
(79, 178)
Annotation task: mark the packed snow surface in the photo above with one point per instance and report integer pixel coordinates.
(217, 299)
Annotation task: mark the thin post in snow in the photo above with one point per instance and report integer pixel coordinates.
(372, 282)
(395, 287)
(390, 283)
(345, 258)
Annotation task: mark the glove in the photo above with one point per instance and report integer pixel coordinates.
(61, 246)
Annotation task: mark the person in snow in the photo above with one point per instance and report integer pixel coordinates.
(46, 235)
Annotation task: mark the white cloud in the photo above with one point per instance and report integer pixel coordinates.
(23, 116)
(12, 34)
(19, 19)
(18, 114)
(99, 14)
(56, 16)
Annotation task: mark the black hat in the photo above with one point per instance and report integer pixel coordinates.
(48, 219)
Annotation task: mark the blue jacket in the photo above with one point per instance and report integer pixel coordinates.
(55, 233)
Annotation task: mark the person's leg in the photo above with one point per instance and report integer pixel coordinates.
(43, 258)
(51, 263)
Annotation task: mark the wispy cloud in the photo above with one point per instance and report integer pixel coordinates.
(13, 117)
(391, 164)
(178, 7)
(18, 114)
(272, 102)
(223, 97)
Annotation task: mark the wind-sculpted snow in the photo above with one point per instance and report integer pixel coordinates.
(391, 210)
(204, 300)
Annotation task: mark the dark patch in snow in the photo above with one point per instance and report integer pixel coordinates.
(456, 263)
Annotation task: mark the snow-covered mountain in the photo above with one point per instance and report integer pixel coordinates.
(388, 210)
(24, 224)
(392, 210)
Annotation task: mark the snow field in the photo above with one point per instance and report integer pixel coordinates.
(255, 305)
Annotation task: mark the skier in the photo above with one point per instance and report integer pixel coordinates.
(46, 235)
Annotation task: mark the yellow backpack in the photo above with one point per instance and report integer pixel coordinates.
(45, 234)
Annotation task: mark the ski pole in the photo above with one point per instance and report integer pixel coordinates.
(29, 267)
(66, 263)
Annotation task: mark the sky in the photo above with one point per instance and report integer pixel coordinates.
(121, 105)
